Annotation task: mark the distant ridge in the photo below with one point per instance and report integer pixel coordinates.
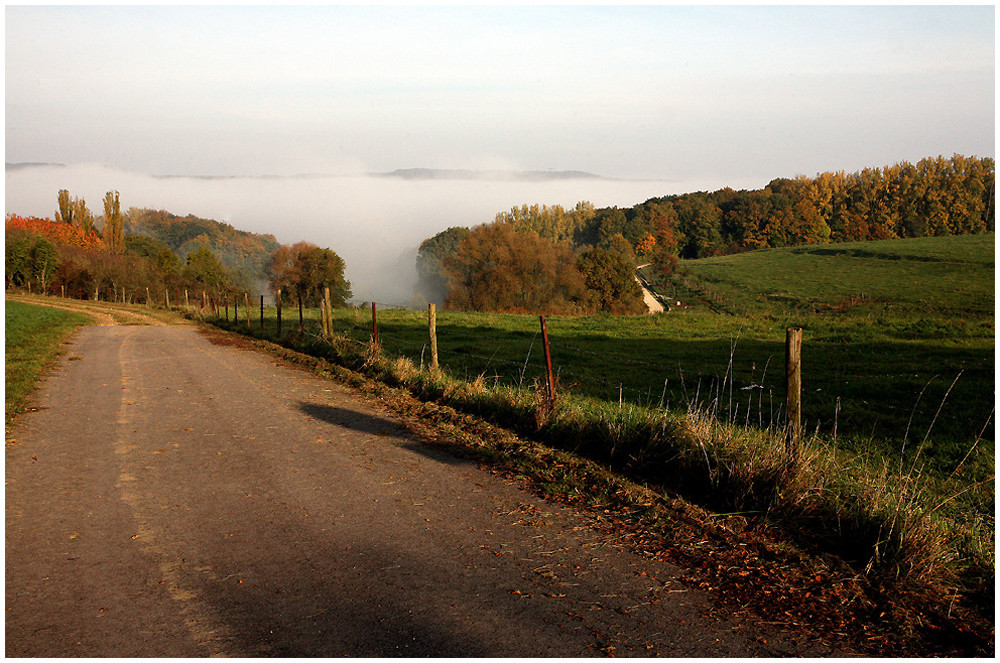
(22, 166)
(460, 174)
(420, 174)
(400, 173)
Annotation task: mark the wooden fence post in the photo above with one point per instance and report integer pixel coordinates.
(793, 378)
(322, 319)
(278, 304)
(246, 300)
(186, 303)
(147, 296)
(262, 313)
(166, 296)
(302, 324)
(550, 383)
(374, 326)
(329, 313)
(432, 330)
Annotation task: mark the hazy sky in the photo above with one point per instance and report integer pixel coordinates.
(660, 92)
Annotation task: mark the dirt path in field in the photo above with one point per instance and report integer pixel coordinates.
(103, 314)
(173, 497)
(648, 298)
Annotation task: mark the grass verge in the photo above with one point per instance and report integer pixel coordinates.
(33, 337)
(864, 544)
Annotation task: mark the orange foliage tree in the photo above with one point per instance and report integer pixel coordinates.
(62, 234)
(497, 268)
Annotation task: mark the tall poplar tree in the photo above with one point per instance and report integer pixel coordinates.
(114, 226)
(74, 212)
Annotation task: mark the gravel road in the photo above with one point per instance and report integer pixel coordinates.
(171, 497)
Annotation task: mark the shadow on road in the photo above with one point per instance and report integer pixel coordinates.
(365, 423)
(352, 419)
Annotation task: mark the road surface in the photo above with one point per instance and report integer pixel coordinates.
(171, 497)
(648, 298)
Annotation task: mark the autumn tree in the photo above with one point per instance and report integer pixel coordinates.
(701, 224)
(203, 268)
(114, 229)
(550, 222)
(74, 212)
(65, 211)
(304, 270)
(664, 262)
(610, 280)
(497, 268)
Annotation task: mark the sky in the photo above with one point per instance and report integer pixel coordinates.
(741, 93)
(656, 100)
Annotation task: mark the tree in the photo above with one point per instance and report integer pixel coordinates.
(701, 224)
(304, 270)
(497, 268)
(155, 251)
(612, 221)
(610, 280)
(432, 281)
(17, 257)
(204, 268)
(646, 245)
(43, 261)
(74, 212)
(114, 229)
(321, 269)
(664, 262)
(64, 213)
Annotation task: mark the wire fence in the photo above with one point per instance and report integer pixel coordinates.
(844, 394)
(849, 389)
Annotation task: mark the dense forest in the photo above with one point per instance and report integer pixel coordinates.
(246, 254)
(153, 253)
(936, 196)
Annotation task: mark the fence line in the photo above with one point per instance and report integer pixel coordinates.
(720, 393)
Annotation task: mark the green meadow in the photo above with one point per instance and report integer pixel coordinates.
(33, 336)
(898, 343)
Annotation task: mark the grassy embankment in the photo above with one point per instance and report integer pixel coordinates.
(896, 481)
(33, 337)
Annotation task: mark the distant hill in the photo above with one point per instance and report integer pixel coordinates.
(246, 253)
(459, 174)
(416, 174)
(22, 166)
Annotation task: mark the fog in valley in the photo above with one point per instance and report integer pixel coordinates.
(374, 222)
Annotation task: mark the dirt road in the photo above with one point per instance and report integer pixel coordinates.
(172, 497)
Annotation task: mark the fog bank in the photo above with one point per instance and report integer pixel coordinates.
(375, 223)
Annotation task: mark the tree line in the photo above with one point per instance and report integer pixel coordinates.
(122, 256)
(936, 196)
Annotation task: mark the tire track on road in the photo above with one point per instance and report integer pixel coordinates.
(207, 631)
